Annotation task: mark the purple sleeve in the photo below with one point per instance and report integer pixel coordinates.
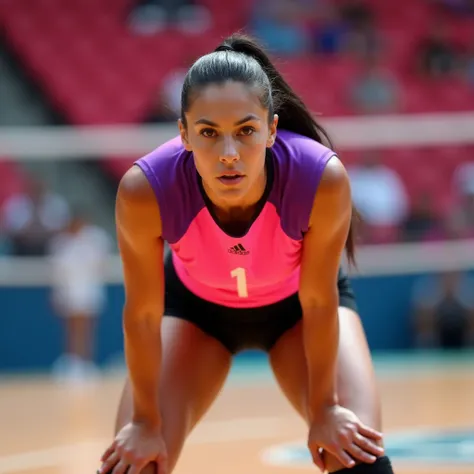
(300, 163)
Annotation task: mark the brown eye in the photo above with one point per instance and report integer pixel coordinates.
(247, 131)
(208, 132)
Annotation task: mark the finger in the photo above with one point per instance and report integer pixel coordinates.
(121, 467)
(163, 466)
(109, 464)
(108, 452)
(368, 445)
(136, 468)
(370, 432)
(317, 459)
(361, 455)
(344, 458)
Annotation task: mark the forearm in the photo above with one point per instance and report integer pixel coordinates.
(321, 340)
(143, 357)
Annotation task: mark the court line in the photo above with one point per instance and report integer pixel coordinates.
(223, 431)
(277, 456)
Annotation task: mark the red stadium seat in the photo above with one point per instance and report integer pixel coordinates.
(95, 70)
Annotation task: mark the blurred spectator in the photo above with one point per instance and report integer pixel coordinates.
(168, 100)
(463, 178)
(78, 258)
(444, 311)
(280, 25)
(421, 224)
(376, 89)
(379, 195)
(356, 13)
(459, 223)
(458, 7)
(437, 54)
(5, 246)
(151, 16)
(31, 219)
(461, 220)
(171, 92)
(362, 37)
(330, 31)
(469, 64)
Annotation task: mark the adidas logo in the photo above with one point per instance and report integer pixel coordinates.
(238, 249)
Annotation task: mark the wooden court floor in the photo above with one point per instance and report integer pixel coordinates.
(48, 429)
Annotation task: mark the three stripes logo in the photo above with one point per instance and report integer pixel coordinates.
(238, 249)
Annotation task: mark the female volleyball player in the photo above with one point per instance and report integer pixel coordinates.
(257, 222)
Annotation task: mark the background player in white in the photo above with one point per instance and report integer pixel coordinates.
(78, 258)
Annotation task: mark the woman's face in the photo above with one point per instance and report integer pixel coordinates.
(228, 132)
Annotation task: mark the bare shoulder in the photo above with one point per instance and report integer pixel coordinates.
(335, 175)
(333, 196)
(134, 186)
(136, 204)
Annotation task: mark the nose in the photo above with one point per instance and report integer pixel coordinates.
(229, 152)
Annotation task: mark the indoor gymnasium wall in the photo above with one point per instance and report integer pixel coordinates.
(31, 336)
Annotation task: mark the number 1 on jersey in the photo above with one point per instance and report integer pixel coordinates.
(241, 276)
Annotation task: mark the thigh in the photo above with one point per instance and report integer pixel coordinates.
(194, 369)
(356, 384)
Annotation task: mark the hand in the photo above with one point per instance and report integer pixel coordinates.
(135, 446)
(339, 432)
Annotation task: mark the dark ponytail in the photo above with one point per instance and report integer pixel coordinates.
(293, 114)
(253, 66)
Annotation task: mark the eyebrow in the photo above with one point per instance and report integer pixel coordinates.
(247, 118)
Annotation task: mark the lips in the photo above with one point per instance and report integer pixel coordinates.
(231, 178)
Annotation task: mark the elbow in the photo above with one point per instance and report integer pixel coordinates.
(141, 318)
(319, 306)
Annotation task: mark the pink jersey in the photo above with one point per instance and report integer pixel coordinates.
(260, 267)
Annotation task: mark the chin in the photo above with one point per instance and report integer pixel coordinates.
(231, 195)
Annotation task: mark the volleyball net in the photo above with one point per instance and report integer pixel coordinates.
(71, 159)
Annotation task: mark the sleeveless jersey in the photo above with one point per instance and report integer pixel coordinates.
(255, 269)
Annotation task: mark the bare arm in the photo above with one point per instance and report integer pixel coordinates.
(323, 246)
(141, 249)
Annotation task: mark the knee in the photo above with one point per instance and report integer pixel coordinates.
(331, 463)
(368, 411)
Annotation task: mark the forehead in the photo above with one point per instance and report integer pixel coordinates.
(227, 102)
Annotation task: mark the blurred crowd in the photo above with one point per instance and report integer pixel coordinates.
(391, 209)
(443, 311)
(31, 219)
(389, 215)
(40, 222)
(326, 28)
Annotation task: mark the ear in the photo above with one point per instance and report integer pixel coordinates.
(184, 135)
(272, 131)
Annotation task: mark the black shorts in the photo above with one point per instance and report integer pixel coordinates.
(240, 328)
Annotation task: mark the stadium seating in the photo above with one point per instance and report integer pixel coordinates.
(94, 70)
(12, 180)
(110, 75)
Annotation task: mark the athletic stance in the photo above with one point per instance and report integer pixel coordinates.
(257, 222)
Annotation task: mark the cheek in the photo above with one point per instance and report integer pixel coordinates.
(258, 139)
(254, 147)
(254, 159)
(203, 163)
(202, 145)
